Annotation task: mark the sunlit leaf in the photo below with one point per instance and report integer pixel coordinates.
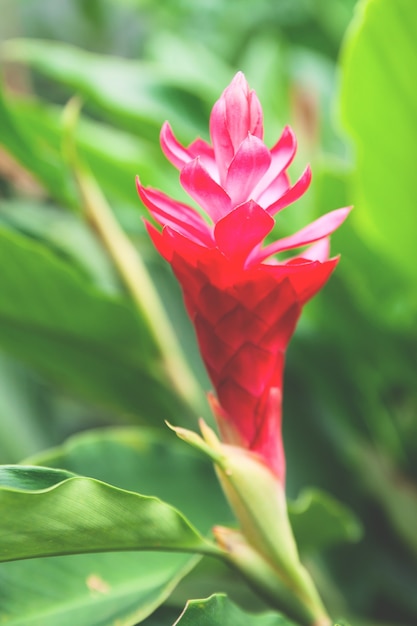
(138, 94)
(47, 512)
(378, 101)
(98, 589)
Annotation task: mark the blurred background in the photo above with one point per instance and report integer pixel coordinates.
(74, 352)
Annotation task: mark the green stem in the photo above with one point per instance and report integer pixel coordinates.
(264, 549)
(132, 271)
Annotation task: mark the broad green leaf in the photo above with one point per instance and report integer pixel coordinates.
(47, 513)
(97, 589)
(88, 589)
(66, 235)
(318, 520)
(148, 461)
(34, 154)
(88, 342)
(218, 610)
(114, 156)
(137, 94)
(24, 426)
(31, 478)
(143, 458)
(377, 285)
(378, 103)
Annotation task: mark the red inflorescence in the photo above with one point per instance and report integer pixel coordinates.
(244, 302)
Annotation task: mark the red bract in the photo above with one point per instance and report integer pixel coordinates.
(243, 303)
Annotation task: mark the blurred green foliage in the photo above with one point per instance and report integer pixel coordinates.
(76, 353)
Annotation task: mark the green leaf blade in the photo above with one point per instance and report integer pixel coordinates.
(89, 589)
(378, 104)
(98, 589)
(20, 478)
(318, 521)
(82, 515)
(94, 344)
(219, 610)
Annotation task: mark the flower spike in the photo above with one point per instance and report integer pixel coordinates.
(243, 299)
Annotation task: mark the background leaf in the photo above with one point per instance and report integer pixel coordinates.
(88, 590)
(148, 461)
(380, 116)
(138, 95)
(319, 521)
(127, 586)
(34, 154)
(23, 417)
(218, 610)
(85, 340)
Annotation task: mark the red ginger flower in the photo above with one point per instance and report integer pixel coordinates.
(244, 305)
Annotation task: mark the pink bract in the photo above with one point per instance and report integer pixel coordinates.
(244, 301)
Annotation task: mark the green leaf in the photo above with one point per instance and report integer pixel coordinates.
(395, 492)
(319, 521)
(378, 102)
(88, 590)
(219, 610)
(34, 154)
(148, 461)
(370, 275)
(66, 235)
(88, 342)
(31, 478)
(47, 513)
(139, 95)
(24, 425)
(98, 589)
(115, 156)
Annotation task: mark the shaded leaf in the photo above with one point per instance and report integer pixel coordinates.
(115, 156)
(34, 154)
(86, 341)
(66, 235)
(138, 93)
(219, 610)
(318, 521)
(395, 492)
(89, 589)
(23, 419)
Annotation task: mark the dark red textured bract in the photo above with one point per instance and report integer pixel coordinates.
(243, 301)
